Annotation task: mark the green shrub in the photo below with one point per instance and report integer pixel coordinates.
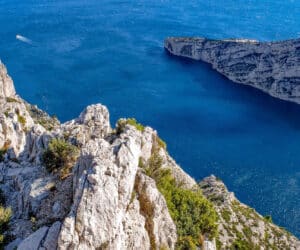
(60, 156)
(2, 153)
(268, 218)
(10, 99)
(161, 143)
(131, 121)
(4, 149)
(147, 210)
(192, 213)
(186, 243)
(226, 215)
(22, 120)
(240, 244)
(5, 215)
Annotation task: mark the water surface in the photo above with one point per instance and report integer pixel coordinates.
(111, 52)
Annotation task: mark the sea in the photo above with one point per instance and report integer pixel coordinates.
(72, 53)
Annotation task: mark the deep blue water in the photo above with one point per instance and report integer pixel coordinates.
(111, 52)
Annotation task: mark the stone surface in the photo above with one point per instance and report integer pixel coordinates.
(50, 242)
(33, 242)
(164, 230)
(273, 67)
(240, 222)
(105, 177)
(13, 245)
(7, 88)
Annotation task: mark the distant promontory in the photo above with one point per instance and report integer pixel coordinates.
(273, 67)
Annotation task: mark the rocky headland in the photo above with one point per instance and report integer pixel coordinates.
(86, 185)
(273, 67)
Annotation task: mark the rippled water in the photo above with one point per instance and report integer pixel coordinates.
(111, 52)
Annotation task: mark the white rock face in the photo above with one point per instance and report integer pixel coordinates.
(14, 122)
(106, 214)
(273, 67)
(7, 88)
(162, 222)
(93, 122)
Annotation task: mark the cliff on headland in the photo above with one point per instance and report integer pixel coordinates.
(86, 185)
(273, 67)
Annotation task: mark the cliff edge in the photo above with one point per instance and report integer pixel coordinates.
(273, 67)
(86, 185)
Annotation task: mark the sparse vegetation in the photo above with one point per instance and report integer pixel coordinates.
(186, 243)
(42, 117)
(192, 213)
(22, 120)
(147, 210)
(2, 153)
(161, 143)
(226, 215)
(5, 215)
(268, 218)
(4, 149)
(10, 99)
(240, 244)
(60, 156)
(131, 121)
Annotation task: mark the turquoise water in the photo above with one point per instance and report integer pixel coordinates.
(111, 52)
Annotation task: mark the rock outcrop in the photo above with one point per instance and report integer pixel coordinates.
(273, 67)
(242, 225)
(7, 88)
(107, 201)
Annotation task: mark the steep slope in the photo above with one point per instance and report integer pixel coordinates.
(241, 226)
(122, 190)
(273, 67)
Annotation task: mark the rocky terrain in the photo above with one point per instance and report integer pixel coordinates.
(86, 185)
(242, 225)
(273, 67)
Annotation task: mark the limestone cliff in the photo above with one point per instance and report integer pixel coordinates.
(110, 198)
(273, 67)
(242, 225)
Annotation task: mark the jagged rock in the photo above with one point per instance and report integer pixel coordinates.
(93, 122)
(273, 67)
(33, 242)
(50, 242)
(13, 245)
(164, 229)
(150, 138)
(15, 121)
(17, 185)
(7, 88)
(238, 222)
(105, 177)
(36, 142)
(39, 190)
(56, 207)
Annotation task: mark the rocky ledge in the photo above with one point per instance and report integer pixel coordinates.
(273, 67)
(86, 185)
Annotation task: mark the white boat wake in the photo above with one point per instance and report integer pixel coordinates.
(23, 39)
